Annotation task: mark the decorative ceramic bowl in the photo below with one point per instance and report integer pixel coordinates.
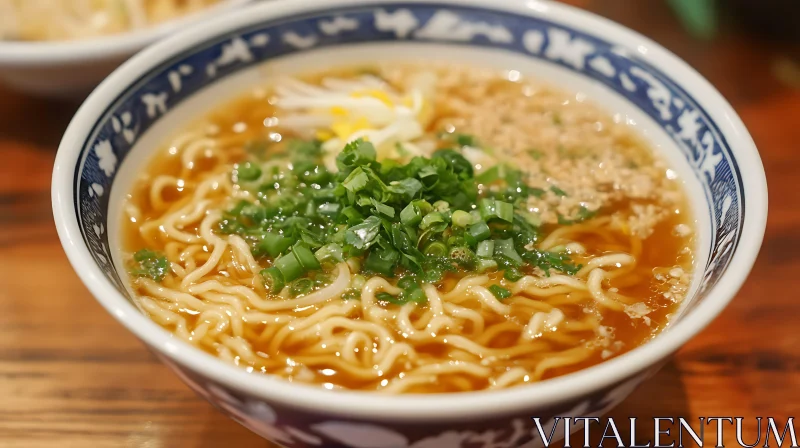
(164, 87)
(71, 69)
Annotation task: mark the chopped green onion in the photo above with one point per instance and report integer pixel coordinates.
(484, 265)
(306, 258)
(352, 294)
(358, 281)
(383, 208)
(425, 207)
(513, 274)
(465, 140)
(407, 282)
(362, 236)
(411, 290)
(461, 218)
(430, 219)
(273, 279)
(386, 297)
(416, 295)
(456, 240)
(355, 264)
(479, 231)
(505, 211)
(301, 286)
(382, 261)
(329, 209)
(506, 249)
(411, 215)
(289, 266)
(536, 192)
(435, 249)
(331, 252)
(314, 175)
(456, 162)
(274, 244)
(531, 218)
(494, 209)
(321, 279)
(150, 264)
(356, 181)
(485, 249)
(352, 215)
(254, 212)
(500, 292)
(248, 172)
(463, 256)
(432, 275)
(378, 215)
(441, 206)
(490, 175)
(355, 154)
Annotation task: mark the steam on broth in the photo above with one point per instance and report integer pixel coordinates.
(408, 229)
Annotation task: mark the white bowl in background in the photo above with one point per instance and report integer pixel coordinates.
(71, 69)
(146, 100)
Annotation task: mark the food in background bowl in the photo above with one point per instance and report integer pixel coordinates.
(47, 20)
(64, 48)
(398, 231)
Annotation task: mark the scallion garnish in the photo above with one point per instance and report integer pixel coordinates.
(479, 231)
(500, 292)
(461, 218)
(421, 220)
(485, 249)
(289, 266)
(506, 249)
(273, 279)
(150, 264)
(435, 249)
(411, 215)
(493, 209)
(248, 172)
(301, 286)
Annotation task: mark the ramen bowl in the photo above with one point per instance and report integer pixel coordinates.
(71, 69)
(161, 89)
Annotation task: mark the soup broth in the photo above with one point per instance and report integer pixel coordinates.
(409, 229)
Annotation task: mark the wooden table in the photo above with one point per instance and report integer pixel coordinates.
(70, 376)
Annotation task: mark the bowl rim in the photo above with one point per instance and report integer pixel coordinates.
(27, 53)
(414, 407)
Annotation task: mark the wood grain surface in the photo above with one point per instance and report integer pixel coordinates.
(71, 376)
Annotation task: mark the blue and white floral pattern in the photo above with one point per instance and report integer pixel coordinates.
(291, 428)
(651, 90)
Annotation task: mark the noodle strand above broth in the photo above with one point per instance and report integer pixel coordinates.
(404, 229)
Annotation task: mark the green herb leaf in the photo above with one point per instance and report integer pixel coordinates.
(363, 235)
(500, 292)
(150, 264)
(356, 153)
